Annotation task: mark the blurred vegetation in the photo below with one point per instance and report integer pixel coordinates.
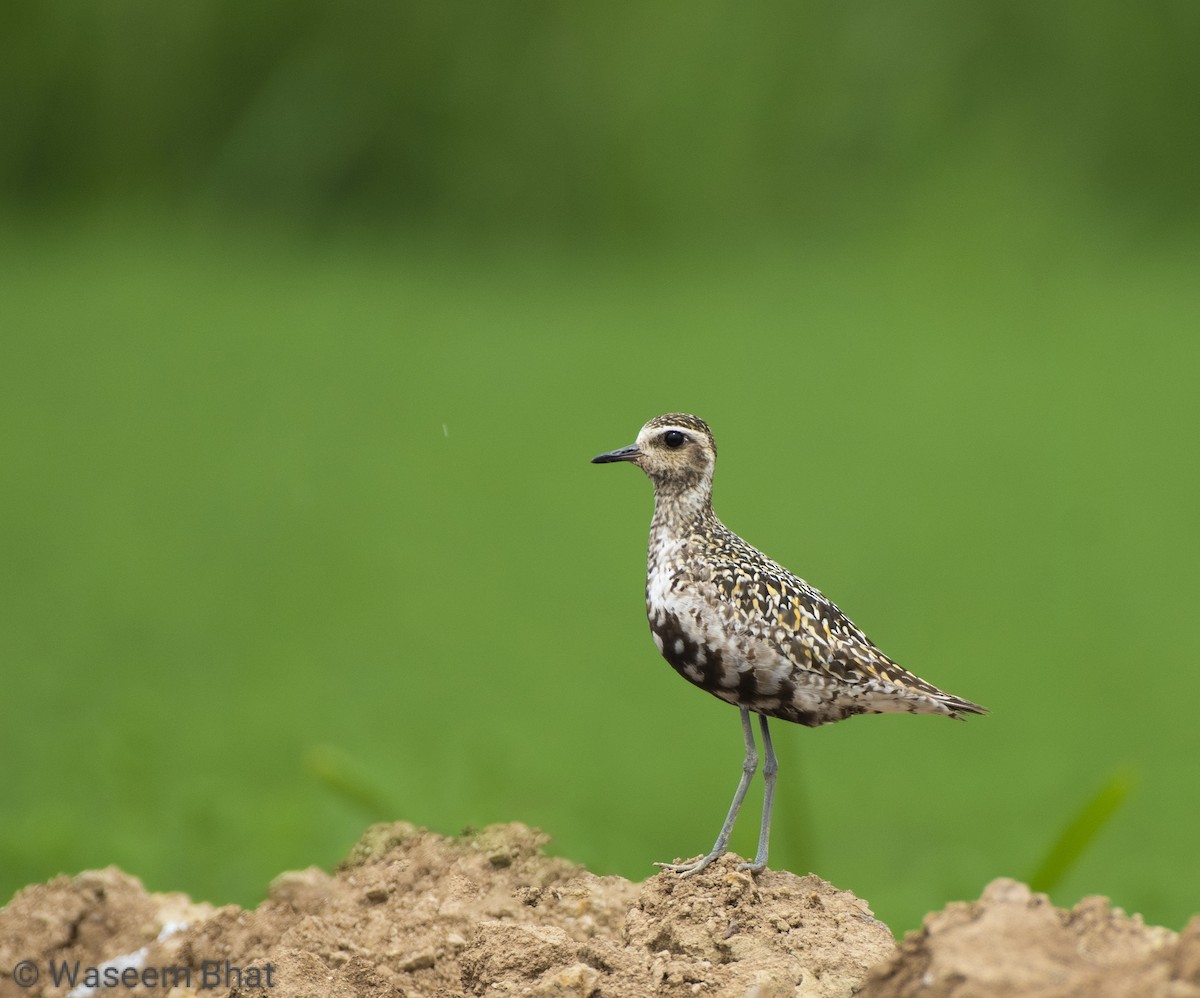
(313, 317)
(1078, 835)
(589, 120)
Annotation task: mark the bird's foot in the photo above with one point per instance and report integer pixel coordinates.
(756, 867)
(687, 869)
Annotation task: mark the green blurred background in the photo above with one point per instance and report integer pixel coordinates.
(313, 316)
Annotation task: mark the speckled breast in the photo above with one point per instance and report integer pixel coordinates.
(732, 675)
(688, 654)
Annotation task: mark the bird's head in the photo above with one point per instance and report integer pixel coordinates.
(676, 451)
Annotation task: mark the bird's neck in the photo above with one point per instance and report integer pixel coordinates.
(679, 513)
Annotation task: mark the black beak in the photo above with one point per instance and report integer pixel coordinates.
(630, 453)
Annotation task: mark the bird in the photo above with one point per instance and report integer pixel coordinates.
(742, 627)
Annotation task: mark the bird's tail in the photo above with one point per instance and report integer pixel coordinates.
(960, 709)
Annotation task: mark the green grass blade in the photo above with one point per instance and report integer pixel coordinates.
(1082, 830)
(346, 777)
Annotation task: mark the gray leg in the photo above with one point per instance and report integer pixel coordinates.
(749, 765)
(770, 768)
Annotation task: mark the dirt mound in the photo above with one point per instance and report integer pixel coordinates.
(415, 914)
(1014, 942)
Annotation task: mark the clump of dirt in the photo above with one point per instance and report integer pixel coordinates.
(1014, 942)
(97, 916)
(412, 914)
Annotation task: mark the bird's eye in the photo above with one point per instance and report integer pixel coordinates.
(673, 439)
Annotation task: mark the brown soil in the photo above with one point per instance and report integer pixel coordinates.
(414, 914)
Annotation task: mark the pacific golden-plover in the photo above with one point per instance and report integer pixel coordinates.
(733, 622)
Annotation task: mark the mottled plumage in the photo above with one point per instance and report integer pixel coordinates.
(737, 624)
